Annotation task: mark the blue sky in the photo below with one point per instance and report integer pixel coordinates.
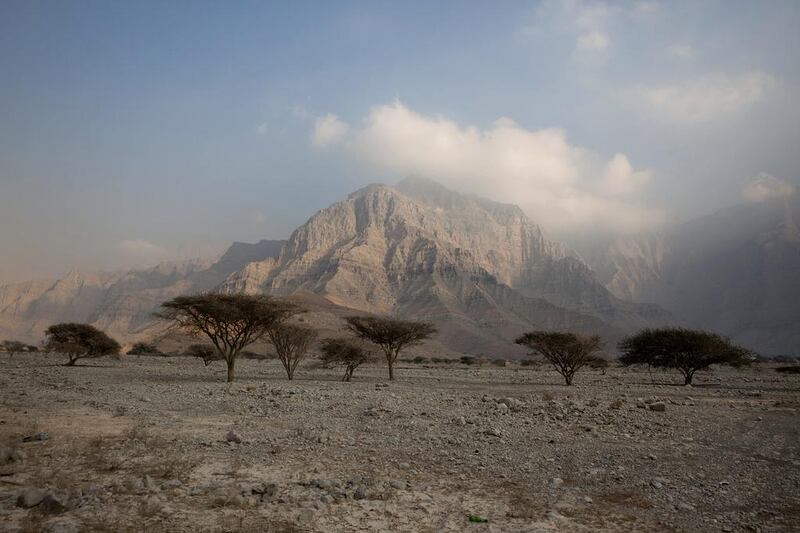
(132, 132)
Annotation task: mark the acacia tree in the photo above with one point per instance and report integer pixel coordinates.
(683, 349)
(79, 341)
(349, 353)
(567, 352)
(143, 348)
(291, 343)
(12, 347)
(231, 321)
(206, 352)
(391, 335)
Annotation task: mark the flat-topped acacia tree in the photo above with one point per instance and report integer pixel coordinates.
(230, 321)
(79, 341)
(683, 349)
(12, 347)
(350, 353)
(392, 335)
(567, 352)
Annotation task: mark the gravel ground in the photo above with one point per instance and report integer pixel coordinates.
(163, 444)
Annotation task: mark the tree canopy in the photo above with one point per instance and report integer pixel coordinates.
(79, 341)
(392, 335)
(567, 352)
(350, 353)
(230, 321)
(683, 349)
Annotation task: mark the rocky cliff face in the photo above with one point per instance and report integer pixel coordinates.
(736, 272)
(479, 269)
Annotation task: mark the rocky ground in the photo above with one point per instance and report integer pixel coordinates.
(163, 444)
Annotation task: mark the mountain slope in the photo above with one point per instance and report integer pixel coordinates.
(118, 302)
(736, 272)
(479, 269)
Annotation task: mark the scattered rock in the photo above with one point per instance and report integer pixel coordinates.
(658, 407)
(232, 436)
(30, 497)
(38, 437)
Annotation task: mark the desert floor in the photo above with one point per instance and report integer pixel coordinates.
(142, 444)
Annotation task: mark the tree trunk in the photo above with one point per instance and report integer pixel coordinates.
(231, 363)
(568, 378)
(687, 378)
(71, 361)
(391, 370)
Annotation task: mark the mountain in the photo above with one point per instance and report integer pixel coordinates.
(736, 272)
(481, 270)
(120, 303)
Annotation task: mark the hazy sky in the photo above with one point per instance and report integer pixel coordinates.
(133, 131)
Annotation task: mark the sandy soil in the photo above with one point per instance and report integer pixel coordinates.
(142, 444)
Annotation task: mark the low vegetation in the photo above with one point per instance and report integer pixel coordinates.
(79, 341)
(12, 347)
(391, 335)
(685, 350)
(143, 348)
(348, 353)
(291, 343)
(230, 321)
(207, 353)
(566, 352)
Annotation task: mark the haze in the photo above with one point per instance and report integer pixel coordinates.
(132, 133)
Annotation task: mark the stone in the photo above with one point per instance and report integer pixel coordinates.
(30, 497)
(50, 504)
(556, 482)
(232, 436)
(658, 407)
(398, 484)
(38, 437)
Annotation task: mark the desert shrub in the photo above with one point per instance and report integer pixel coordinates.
(390, 334)
(291, 343)
(682, 349)
(206, 352)
(529, 362)
(79, 341)
(231, 322)
(420, 360)
(468, 360)
(349, 353)
(788, 369)
(499, 362)
(143, 348)
(249, 354)
(784, 359)
(566, 352)
(12, 347)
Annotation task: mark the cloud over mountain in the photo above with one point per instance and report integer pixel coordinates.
(563, 186)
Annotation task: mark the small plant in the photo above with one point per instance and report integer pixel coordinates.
(143, 348)
(206, 352)
(346, 352)
(477, 519)
(788, 369)
(291, 342)
(12, 347)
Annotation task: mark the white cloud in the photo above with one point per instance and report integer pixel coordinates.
(139, 253)
(767, 187)
(560, 185)
(680, 51)
(706, 98)
(328, 130)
